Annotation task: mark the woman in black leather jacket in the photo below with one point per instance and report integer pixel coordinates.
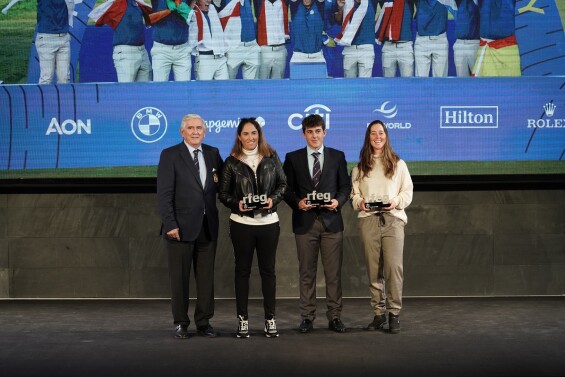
(252, 183)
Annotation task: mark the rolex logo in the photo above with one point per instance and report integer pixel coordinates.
(549, 109)
(547, 121)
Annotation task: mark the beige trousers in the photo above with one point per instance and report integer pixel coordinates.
(384, 249)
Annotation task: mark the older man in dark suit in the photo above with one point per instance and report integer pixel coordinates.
(318, 186)
(187, 186)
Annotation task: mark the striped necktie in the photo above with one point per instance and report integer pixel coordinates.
(196, 163)
(316, 169)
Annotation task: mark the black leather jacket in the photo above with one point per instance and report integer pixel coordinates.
(238, 180)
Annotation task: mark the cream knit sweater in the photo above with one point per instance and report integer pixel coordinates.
(399, 189)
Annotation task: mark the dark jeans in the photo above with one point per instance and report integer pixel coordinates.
(246, 239)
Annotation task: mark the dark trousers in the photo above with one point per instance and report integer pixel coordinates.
(330, 246)
(181, 255)
(246, 239)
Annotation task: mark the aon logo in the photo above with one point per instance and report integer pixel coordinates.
(69, 127)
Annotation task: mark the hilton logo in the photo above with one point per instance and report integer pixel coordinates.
(469, 116)
(149, 124)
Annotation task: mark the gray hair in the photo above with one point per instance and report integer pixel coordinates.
(188, 117)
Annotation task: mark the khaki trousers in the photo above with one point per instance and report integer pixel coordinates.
(384, 249)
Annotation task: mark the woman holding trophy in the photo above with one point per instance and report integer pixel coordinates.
(382, 189)
(252, 184)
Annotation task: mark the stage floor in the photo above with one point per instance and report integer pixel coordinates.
(522, 336)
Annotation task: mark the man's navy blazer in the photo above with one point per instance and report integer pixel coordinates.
(181, 197)
(334, 179)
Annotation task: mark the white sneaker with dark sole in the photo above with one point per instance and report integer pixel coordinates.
(271, 328)
(242, 327)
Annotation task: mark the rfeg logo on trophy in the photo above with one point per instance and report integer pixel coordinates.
(149, 124)
(251, 201)
(377, 202)
(295, 120)
(317, 199)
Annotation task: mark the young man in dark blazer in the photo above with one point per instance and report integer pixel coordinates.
(318, 174)
(187, 186)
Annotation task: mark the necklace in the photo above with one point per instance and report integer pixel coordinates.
(252, 161)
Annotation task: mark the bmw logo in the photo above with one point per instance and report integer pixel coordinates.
(149, 124)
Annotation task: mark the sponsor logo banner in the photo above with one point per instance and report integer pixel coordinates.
(88, 125)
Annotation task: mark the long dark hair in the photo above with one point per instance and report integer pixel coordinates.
(264, 149)
(366, 161)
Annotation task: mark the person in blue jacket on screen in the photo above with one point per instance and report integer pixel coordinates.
(206, 39)
(357, 35)
(240, 35)
(53, 41)
(128, 19)
(431, 48)
(171, 50)
(467, 37)
(308, 34)
(272, 35)
(394, 32)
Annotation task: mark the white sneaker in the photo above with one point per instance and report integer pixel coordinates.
(271, 328)
(242, 327)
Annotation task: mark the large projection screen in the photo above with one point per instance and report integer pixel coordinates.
(97, 128)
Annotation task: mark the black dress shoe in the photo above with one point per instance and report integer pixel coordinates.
(207, 331)
(305, 326)
(336, 325)
(181, 332)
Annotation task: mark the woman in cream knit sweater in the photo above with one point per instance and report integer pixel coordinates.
(382, 189)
